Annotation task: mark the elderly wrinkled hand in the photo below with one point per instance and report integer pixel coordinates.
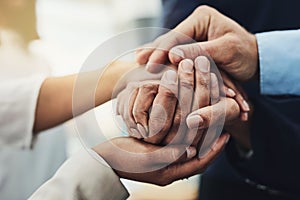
(156, 111)
(207, 32)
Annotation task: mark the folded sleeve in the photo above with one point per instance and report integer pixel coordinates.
(279, 60)
(17, 111)
(83, 176)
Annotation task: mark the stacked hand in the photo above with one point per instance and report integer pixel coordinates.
(137, 160)
(157, 111)
(232, 48)
(189, 106)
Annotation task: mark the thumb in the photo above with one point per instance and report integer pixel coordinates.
(213, 48)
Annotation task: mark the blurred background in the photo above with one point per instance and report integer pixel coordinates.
(69, 31)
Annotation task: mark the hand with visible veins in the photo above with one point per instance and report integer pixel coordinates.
(232, 48)
(174, 105)
(135, 102)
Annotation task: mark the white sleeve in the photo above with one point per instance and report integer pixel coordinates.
(17, 109)
(83, 176)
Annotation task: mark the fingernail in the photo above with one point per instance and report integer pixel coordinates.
(246, 106)
(227, 139)
(244, 116)
(142, 130)
(203, 64)
(194, 121)
(231, 92)
(169, 77)
(187, 65)
(177, 52)
(190, 152)
(135, 133)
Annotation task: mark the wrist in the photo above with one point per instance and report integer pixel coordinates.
(119, 71)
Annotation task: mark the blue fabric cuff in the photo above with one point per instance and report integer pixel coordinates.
(279, 59)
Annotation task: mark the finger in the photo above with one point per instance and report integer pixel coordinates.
(212, 133)
(161, 52)
(226, 108)
(196, 166)
(212, 48)
(127, 115)
(185, 93)
(232, 94)
(214, 89)
(173, 154)
(142, 105)
(244, 116)
(154, 53)
(194, 27)
(144, 47)
(241, 90)
(157, 60)
(143, 53)
(190, 51)
(229, 92)
(238, 95)
(202, 90)
(121, 101)
(202, 80)
(163, 108)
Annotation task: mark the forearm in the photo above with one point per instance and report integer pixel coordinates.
(55, 101)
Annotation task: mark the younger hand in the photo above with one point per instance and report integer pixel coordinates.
(136, 160)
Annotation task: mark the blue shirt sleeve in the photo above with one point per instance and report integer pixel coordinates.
(279, 59)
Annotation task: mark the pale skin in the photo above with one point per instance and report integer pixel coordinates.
(54, 104)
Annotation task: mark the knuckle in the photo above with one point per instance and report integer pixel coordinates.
(156, 125)
(206, 118)
(168, 93)
(185, 83)
(177, 119)
(203, 81)
(147, 88)
(139, 113)
(203, 8)
(154, 139)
